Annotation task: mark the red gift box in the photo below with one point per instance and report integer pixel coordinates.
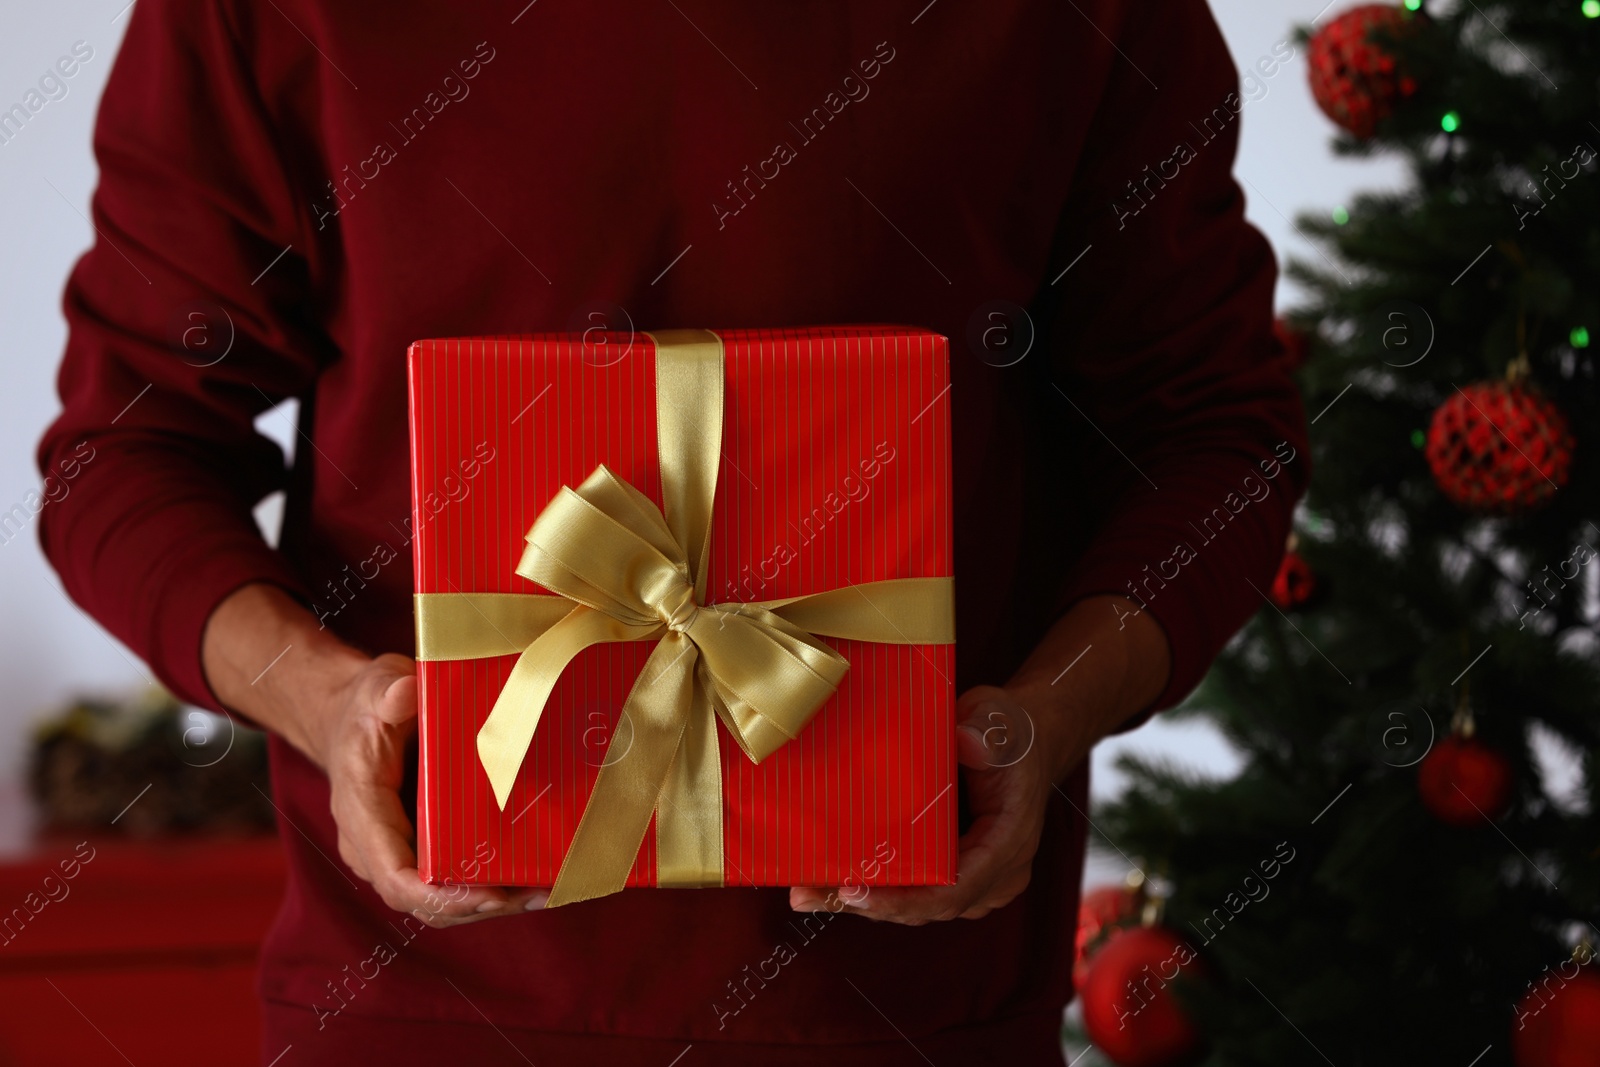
(834, 472)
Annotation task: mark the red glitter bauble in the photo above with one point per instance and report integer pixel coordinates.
(1129, 1011)
(1100, 913)
(1355, 82)
(1463, 781)
(1295, 583)
(1499, 446)
(1558, 1023)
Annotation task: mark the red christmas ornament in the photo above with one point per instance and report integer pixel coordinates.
(1499, 446)
(1296, 344)
(1355, 82)
(1100, 913)
(1129, 1011)
(1295, 583)
(1463, 780)
(1558, 1022)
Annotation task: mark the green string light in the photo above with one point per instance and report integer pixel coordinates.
(1580, 334)
(1340, 216)
(1416, 5)
(1418, 438)
(1591, 8)
(1451, 122)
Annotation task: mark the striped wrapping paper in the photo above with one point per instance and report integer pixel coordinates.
(835, 471)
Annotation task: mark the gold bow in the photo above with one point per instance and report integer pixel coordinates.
(623, 571)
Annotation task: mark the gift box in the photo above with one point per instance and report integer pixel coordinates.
(684, 609)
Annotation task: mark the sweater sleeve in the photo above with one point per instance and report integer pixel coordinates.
(1162, 342)
(186, 319)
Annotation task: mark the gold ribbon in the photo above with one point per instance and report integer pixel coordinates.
(624, 571)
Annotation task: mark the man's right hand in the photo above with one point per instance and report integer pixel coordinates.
(353, 716)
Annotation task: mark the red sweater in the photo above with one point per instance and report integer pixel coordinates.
(292, 191)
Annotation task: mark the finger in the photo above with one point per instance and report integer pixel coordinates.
(377, 823)
(397, 702)
(380, 833)
(811, 900)
(971, 750)
(457, 905)
(908, 905)
(396, 663)
(991, 855)
(912, 905)
(989, 731)
(916, 906)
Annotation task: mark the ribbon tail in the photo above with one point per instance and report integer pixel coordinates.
(504, 738)
(895, 611)
(689, 810)
(618, 814)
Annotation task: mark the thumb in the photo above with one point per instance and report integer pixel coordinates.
(973, 736)
(397, 689)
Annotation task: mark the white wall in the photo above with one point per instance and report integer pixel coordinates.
(49, 650)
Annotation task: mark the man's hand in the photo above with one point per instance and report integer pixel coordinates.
(1013, 745)
(352, 716)
(364, 753)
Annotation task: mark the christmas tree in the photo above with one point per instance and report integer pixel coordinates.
(1396, 875)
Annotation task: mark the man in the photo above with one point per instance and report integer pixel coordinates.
(318, 184)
